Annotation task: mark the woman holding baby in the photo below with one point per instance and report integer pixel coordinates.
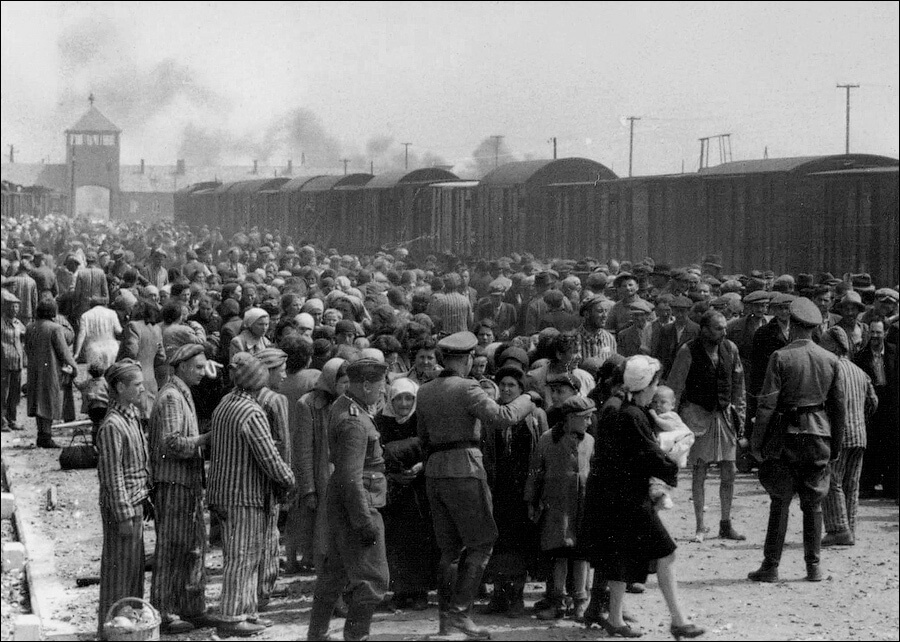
(624, 533)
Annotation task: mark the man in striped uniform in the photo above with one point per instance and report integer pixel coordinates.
(356, 560)
(124, 475)
(860, 401)
(179, 577)
(246, 473)
(594, 341)
(275, 405)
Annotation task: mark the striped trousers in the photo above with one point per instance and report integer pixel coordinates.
(243, 541)
(268, 567)
(842, 503)
(179, 577)
(122, 561)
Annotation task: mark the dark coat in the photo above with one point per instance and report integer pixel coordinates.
(669, 344)
(622, 532)
(45, 345)
(888, 406)
(767, 340)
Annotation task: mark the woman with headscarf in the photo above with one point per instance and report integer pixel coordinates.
(408, 533)
(507, 456)
(124, 473)
(315, 465)
(252, 338)
(621, 532)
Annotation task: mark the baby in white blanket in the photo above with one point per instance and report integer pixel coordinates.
(675, 439)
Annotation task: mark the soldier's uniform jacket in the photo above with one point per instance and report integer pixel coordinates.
(358, 483)
(450, 412)
(800, 395)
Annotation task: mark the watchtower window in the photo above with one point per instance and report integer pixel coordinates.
(109, 139)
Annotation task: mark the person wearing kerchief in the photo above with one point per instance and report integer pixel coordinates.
(246, 475)
(179, 576)
(124, 474)
(252, 338)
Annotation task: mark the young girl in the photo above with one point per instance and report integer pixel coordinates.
(555, 493)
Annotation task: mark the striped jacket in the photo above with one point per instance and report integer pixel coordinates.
(24, 287)
(860, 401)
(175, 436)
(124, 466)
(11, 333)
(245, 467)
(275, 405)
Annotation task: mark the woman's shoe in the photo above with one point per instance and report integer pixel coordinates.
(624, 631)
(686, 631)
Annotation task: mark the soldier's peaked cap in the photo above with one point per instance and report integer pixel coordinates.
(366, 369)
(459, 343)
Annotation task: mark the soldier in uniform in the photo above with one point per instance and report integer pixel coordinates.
(356, 560)
(451, 410)
(799, 428)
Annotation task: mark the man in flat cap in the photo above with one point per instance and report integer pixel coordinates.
(637, 338)
(451, 410)
(179, 577)
(495, 308)
(773, 336)
(741, 331)
(799, 429)
(275, 405)
(356, 561)
(619, 316)
(676, 334)
(25, 289)
(12, 332)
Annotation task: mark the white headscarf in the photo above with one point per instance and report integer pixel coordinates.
(399, 387)
(639, 372)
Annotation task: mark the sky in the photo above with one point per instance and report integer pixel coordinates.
(317, 82)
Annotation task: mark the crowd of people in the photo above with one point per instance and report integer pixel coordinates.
(399, 424)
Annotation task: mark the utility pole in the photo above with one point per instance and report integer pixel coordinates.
(553, 140)
(372, 167)
(497, 140)
(847, 138)
(12, 154)
(406, 155)
(345, 161)
(631, 120)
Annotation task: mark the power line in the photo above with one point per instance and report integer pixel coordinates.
(847, 136)
(497, 139)
(406, 155)
(631, 120)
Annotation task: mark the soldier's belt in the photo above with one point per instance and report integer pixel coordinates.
(454, 445)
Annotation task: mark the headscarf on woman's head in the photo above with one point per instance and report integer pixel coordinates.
(402, 385)
(639, 372)
(313, 305)
(248, 373)
(328, 379)
(252, 315)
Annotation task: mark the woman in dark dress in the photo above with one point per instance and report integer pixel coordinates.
(408, 533)
(623, 533)
(516, 551)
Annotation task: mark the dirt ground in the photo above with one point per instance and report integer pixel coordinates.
(859, 600)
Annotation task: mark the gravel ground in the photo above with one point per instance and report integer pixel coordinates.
(859, 600)
(14, 596)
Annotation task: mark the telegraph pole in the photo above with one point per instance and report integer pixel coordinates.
(847, 137)
(553, 140)
(497, 140)
(12, 154)
(406, 155)
(631, 120)
(345, 161)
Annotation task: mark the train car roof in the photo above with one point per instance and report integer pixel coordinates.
(424, 175)
(547, 172)
(327, 183)
(297, 183)
(800, 164)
